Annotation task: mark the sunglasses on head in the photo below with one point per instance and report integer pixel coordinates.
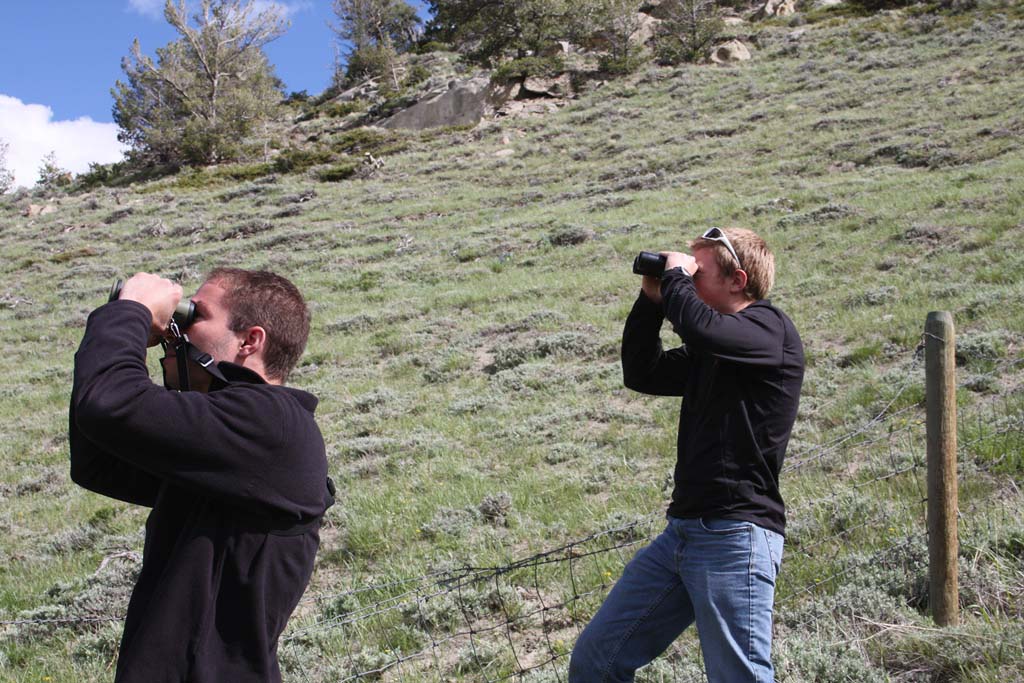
(718, 235)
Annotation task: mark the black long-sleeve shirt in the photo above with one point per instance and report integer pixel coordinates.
(237, 480)
(740, 376)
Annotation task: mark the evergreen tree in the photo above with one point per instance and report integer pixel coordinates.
(205, 91)
(688, 31)
(488, 31)
(6, 176)
(376, 31)
(51, 175)
(613, 22)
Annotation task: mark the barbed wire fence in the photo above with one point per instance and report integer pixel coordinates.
(514, 623)
(518, 621)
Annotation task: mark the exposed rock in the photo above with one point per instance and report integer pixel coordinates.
(776, 8)
(646, 30)
(825, 4)
(559, 48)
(523, 108)
(557, 86)
(364, 90)
(658, 9)
(647, 27)
(34, 210)
(464, 103)
(507, 152)
(734, 21)
(733, 51)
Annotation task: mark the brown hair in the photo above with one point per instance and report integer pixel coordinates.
(755, 256)
(265, 299)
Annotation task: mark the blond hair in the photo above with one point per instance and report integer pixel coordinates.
(756, 258)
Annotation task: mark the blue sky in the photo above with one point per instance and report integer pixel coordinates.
(59, 59)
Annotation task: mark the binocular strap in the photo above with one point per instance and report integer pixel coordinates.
(184, 353)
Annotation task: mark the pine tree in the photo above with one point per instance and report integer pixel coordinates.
(689, 29)
(51, 175)
(489, 31)
(376, 31)
(6, 176)
(205, 91)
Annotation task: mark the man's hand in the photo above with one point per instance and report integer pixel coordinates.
(675, 259)
(160, 296)
(651, 286)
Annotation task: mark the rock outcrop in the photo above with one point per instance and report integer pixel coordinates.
(34, 210)
(464, 103)
(733, 51)
(776, 8)
(553, 86)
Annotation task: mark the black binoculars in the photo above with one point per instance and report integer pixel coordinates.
(184, 313)
(649, 263)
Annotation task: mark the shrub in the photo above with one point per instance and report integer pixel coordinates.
(569, 236)
(366, 140)
(416, 75)
(433, 46)
(688, 31)
(615, 65)
(339, 172)
(525, 67)
(51, 176)
(978, 347)
(451, 522)
(339, 110)
(495, 509)
(878, 5)
(248, 171)
(294, 160)
(560, 343)
(373, 61)
(100, 174)
(6, 176)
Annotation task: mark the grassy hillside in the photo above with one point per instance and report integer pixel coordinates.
(467, 312)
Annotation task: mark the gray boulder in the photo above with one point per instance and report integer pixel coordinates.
(464, 103)
(558, 48)
(555, 86)
(647, 29)
(733, 51)
(658, 9)
(776, 8)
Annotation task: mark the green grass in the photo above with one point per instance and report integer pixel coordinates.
(467, 316)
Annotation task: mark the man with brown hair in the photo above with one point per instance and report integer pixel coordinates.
(739, 372)
(234, 469)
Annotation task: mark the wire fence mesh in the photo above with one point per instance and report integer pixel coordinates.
(863, 489)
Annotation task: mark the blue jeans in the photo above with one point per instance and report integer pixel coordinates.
(717, 572)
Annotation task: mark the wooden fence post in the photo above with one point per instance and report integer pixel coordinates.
(940, 391)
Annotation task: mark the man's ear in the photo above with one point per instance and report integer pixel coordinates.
(739, 281)
(254, 341)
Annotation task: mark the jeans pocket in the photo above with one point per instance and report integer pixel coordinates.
(768, 558)
(724, 527)
(775, 544)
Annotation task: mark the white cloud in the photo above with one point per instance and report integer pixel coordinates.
(32, 133)
(154, 9)
(149, 8)
(285, 9)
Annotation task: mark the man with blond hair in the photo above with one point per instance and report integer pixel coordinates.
(739, 372)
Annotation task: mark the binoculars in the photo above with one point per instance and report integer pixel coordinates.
(184, 313)
(649, 263)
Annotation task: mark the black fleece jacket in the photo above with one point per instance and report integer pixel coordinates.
(740, 377)
(237, 480)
